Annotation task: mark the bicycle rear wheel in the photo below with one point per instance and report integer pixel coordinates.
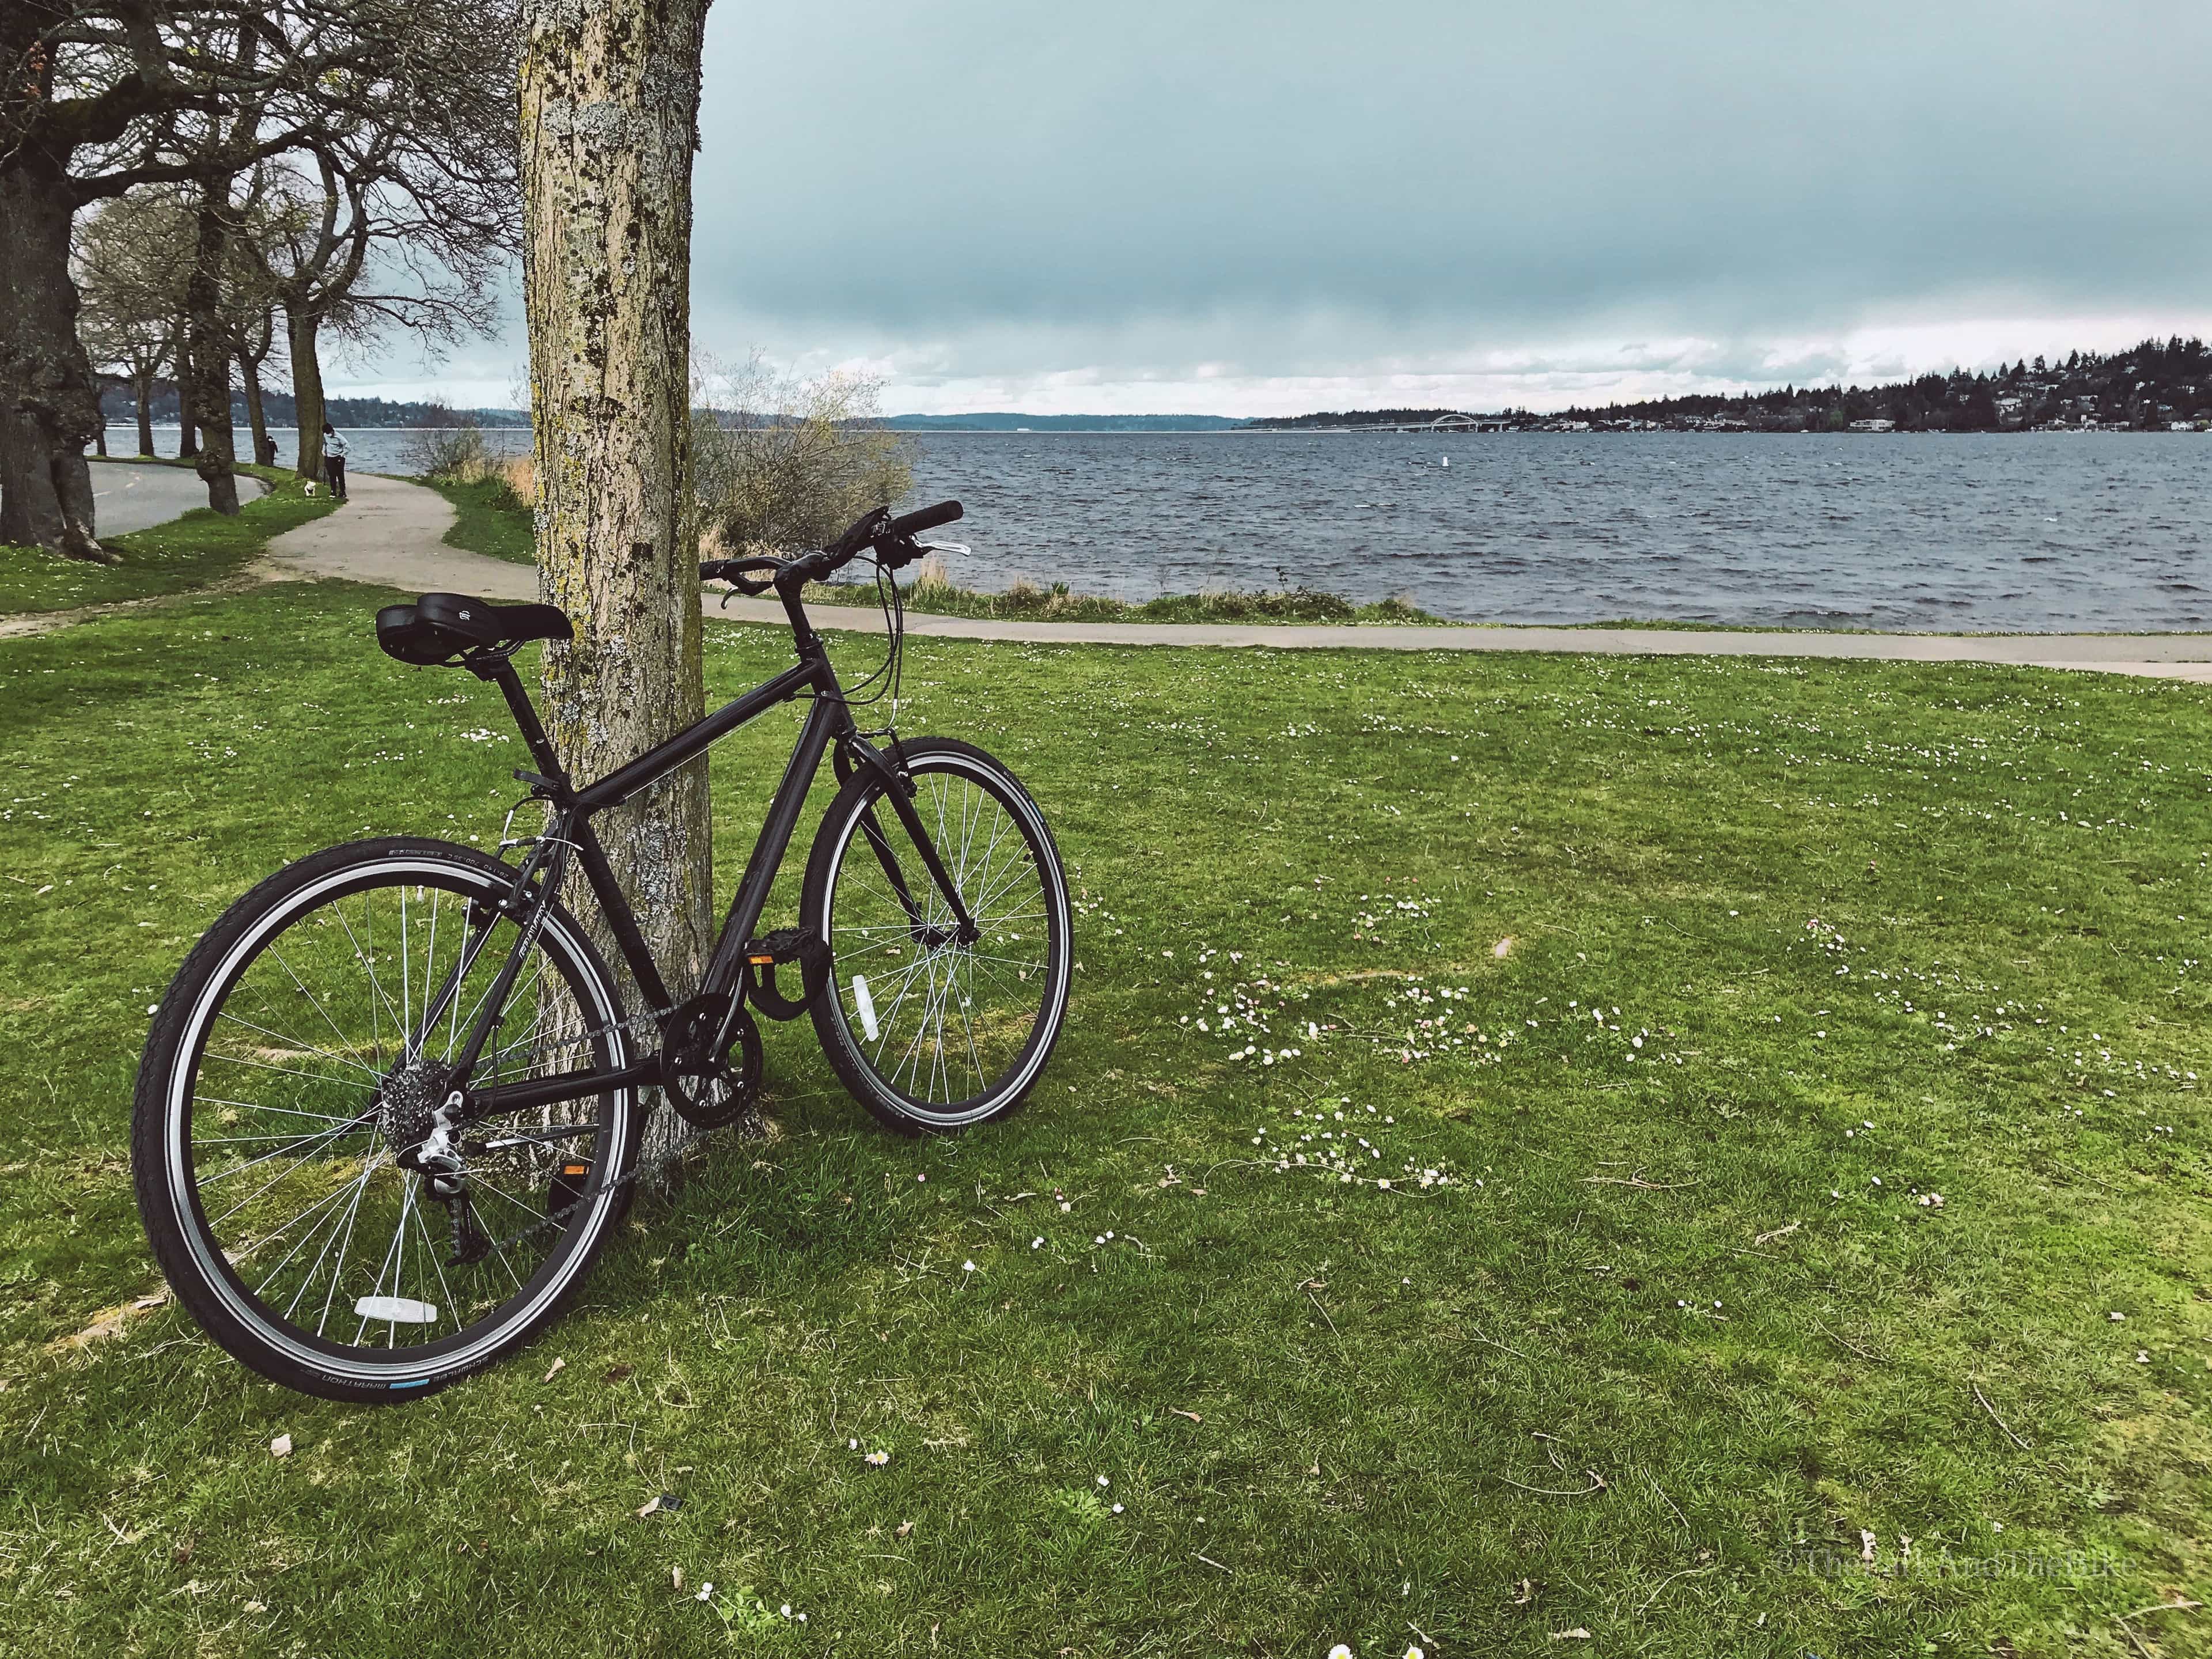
(296, 1061)
(927, 1031)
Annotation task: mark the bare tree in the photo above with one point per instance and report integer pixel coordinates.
(610, 121)
(403, 216)
(249, 306)
(98, 97)
(132, 256)
(225, 129)
(782, 462)
(252, 335)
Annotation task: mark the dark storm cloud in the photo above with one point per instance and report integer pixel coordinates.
(1239, 207)
(1495, 172)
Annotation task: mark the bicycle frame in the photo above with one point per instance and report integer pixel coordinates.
(828, 725)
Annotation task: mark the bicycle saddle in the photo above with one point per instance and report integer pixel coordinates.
(438, 626)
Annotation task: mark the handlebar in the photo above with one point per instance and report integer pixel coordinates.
(927, 518)
(892, 539)
(732, 571)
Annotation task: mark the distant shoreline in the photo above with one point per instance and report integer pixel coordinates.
(1534, 429)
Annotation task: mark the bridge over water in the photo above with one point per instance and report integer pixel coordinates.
(1442, 424)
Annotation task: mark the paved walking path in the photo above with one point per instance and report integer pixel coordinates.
(392, 534)
(126, 496)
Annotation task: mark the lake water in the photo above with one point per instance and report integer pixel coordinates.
(2028, 531)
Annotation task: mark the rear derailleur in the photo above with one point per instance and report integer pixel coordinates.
(437, 1159)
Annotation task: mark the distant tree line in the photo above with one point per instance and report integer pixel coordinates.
(2146, 387)
(209, 192)
(120, 403)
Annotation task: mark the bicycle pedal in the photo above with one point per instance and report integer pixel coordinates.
(565, 1191)
(784, 944)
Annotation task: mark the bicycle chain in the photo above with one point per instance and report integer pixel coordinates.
(639, 1174)
(634, 1176)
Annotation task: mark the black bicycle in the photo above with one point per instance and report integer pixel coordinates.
(392, 1105)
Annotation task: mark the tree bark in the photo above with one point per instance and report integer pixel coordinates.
(188, 431)
(301, 328)
(250, 372)
(209, 385)
(142, 389)
(609, 121)
(49, 400)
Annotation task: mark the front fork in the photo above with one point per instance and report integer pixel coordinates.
(898, 788)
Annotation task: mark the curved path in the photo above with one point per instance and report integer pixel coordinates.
(393, 534)
(127, 496)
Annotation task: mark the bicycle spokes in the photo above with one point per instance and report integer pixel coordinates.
(939, 1014)
(320, 1154)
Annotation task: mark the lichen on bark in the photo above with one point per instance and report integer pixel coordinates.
(609, 121)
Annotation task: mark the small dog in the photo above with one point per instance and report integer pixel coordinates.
(311, 486)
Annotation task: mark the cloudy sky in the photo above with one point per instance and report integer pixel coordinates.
(1266, 206)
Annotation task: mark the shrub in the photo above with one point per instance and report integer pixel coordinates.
(446, 445)
(780, 463)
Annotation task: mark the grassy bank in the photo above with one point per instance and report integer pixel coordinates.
(493, 520)
(1695, 982)
(200, 548)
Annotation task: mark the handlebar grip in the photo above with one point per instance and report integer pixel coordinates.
(925, 518)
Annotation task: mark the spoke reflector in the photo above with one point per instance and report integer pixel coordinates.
(396, 1310)
(867, 1005)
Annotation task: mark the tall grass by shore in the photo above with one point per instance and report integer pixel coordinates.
(932, 590)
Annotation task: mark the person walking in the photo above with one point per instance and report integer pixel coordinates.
(334, 460)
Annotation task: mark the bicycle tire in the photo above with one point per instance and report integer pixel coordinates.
(293, 909)
(976, 988)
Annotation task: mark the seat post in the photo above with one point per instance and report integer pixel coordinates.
(502, 674)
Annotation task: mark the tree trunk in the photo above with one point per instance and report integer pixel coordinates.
(301, 329)
(188, 431)
(250, 372)
(610, 121)
(142, 389)
(49, 400)
(210, 385)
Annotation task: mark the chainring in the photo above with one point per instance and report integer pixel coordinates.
(711, 1079)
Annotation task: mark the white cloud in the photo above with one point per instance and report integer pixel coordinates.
(1267, 206)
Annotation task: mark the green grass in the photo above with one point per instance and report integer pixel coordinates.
(200, 548)
(1839, 922)
(492, 521)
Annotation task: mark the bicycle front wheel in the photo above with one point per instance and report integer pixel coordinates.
(288, 1084)
(927, 1030)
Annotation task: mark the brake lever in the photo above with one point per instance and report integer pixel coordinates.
(750, 587)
